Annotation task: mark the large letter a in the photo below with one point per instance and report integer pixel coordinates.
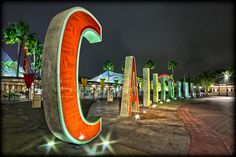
(129, 100)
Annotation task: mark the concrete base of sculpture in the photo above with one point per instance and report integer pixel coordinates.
(155, 88)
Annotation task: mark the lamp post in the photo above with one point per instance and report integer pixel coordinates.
(84, 82)
(102, 84)
(226, 77)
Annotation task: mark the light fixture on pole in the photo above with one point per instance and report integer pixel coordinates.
(226, 77)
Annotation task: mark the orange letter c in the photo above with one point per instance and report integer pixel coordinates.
(60, 75)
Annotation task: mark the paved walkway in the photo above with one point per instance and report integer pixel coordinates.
(158, 132)
(203, 139)
(201, 127)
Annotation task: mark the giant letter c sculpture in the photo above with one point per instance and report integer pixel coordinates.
(60, 73)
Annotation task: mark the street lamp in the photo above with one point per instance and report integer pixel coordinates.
(226, 77)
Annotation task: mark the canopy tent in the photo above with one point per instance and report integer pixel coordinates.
(112, 76)
(9, 67)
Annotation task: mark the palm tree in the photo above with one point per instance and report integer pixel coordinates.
(35, 48)
(172, 65)
(109, 67)
(123, 67)
(150, 64)
(17, 33)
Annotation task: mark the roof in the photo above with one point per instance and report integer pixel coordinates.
(112, 76)
(8, 66)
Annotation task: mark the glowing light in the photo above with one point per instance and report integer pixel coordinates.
(92, 151)
(50, 145)
(94, 86)
(161, 102)
(144, 111)
(137, 117)
(226, 75)
(168, 100)
(154, 106)
(106, 143)
(81, 137)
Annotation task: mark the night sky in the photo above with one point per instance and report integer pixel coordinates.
(199, 36)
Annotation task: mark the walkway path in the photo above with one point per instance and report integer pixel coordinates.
(203, 119)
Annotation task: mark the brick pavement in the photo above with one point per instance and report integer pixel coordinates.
(203, 140)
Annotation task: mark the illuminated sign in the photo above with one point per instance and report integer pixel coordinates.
(60, 75)
(155, 88)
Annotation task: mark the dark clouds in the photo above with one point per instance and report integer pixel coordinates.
(199, 36)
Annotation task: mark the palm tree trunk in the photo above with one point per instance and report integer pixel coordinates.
(35, 73)
(18, 60)
(26, 62)
(108, 77)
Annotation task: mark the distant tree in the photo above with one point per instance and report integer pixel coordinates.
(206, 79)
(150, 64)
(172, 65)
(17, 32)
(109, 67)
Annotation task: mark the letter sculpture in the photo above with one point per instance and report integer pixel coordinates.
(198, 90)
(179, 91)
(192, 90)
(163, 78)
(146, 87)
(60, 75)
(171, 88)
(155, 88)
(186, 89)
(129, 100)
